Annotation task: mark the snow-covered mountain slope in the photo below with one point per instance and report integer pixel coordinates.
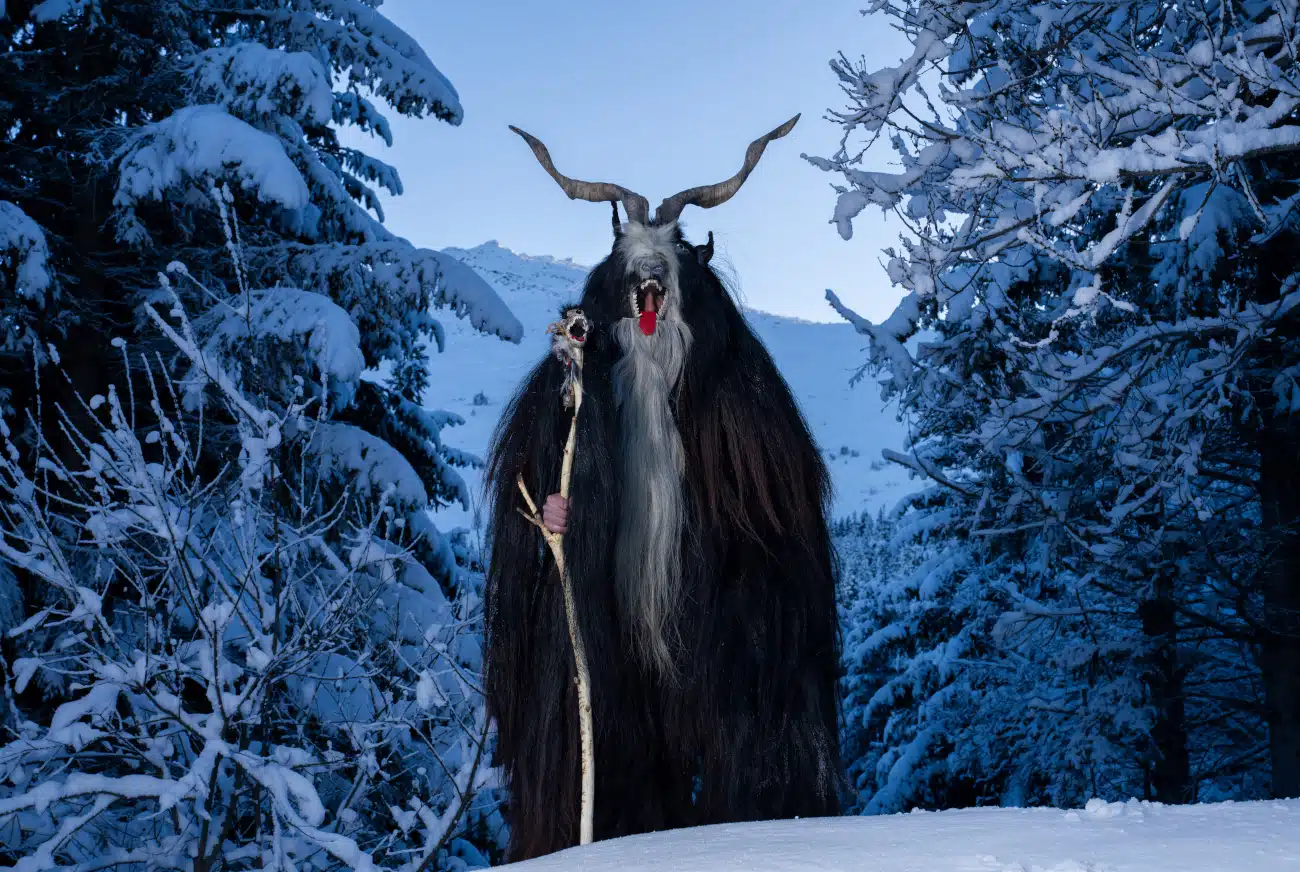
(476, 375)
(1104, 837)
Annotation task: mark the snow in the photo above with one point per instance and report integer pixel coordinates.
(23, 249)
(319, 325)
(255, 81)
(204, 141)
(427, 694)
(372, 52)
(851, 424)
(468, 296)
(385, 278)
(339, 691)
(53, 10)
(369, 463)
(1103, 837)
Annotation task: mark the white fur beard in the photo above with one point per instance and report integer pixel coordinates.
(652, 513)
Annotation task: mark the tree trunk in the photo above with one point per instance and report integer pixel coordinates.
(1169, 778)
(1279, 492)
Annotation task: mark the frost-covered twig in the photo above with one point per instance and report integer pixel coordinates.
(229, 613)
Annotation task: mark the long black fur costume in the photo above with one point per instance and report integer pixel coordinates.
(749, 730)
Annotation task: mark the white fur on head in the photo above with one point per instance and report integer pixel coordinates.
(645, 246)
(653, 512)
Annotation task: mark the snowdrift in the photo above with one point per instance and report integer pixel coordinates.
(1104, 837)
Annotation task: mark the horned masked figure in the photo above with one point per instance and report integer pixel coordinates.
(697, 544)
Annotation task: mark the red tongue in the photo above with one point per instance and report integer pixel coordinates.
(648, 322)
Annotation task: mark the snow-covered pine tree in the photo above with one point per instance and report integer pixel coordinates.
(118, 117)
(118, 123)
(1100, 197)
(972, 685)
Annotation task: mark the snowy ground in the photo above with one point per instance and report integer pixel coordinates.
(1115, 837)
(850, 423)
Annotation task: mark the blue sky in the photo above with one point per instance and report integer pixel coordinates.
(657, 97)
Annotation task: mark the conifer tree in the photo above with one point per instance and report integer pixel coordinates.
(1098, 197)
(233, 634)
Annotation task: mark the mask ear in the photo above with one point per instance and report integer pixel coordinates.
(705, 252)
(618, 228)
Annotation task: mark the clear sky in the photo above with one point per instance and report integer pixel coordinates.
(658, 97)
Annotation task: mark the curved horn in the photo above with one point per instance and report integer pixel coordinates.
(638, 208)
(708, 196)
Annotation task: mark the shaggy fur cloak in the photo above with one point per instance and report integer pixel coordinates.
(747, 728)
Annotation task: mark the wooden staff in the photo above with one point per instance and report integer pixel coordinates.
(570, 337)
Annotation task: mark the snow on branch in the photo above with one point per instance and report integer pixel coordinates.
(302, 319)
(388, 285)
(24, 256)
(351, 108)
(348, 453)
(53, 10)
(198, 144)
(469, 296)
(252, 81)
(374, 54)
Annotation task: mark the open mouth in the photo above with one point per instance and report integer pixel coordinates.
(647, 301)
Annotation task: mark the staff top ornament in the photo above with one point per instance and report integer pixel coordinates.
(569, 336)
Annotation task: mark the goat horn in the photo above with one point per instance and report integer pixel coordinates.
(638, 208)
(708, 196)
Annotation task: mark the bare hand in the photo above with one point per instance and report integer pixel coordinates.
(555, 513)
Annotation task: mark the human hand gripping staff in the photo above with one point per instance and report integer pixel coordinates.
(570, 336)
